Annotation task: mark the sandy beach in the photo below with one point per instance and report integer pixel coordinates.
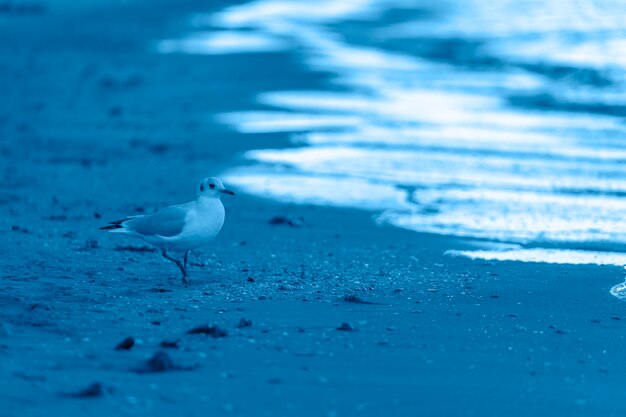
(324, 313)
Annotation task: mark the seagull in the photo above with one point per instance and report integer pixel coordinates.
(180, 228)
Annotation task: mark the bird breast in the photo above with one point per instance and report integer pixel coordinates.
(205, 222)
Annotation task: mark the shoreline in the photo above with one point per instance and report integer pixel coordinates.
(131, 129)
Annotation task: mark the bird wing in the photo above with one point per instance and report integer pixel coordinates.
(166, 222)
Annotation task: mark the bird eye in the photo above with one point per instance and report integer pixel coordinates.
(201, 187)
(212, 186)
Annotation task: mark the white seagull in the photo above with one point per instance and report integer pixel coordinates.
(180, 228)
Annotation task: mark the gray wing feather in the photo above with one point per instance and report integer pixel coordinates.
(167, 222)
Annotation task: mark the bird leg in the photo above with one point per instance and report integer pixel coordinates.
(186, 256)
(180, 266)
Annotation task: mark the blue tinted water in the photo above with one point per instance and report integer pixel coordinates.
(500, 121)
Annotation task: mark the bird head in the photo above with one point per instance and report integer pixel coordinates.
(213, 188)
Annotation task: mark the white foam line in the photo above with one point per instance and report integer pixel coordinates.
(425, 168)
(542, 255)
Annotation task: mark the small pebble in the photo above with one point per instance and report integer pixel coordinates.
(352, 298)
(345, 327)
(160, 362)
(213, 331)
(244, 323)
(284, 220)
(126, 344)
(92, 391)
(170, 343)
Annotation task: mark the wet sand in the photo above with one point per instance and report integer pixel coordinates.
(94, 126)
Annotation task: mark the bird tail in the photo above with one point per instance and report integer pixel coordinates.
(112, 227)
(117, 224)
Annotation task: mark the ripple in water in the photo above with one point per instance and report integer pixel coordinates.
(503, 122)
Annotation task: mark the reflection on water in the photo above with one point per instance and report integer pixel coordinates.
(502, 121)
(265, 121)
(222, 42)
(323, 190)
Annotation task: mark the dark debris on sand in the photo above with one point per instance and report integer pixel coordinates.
(161, 290)
(126, 344)
(94, 390)
(346, 327)
(161, 362)
(170, 343)
(213, 331)
(286, 221)
(351, 298)
(244, 323)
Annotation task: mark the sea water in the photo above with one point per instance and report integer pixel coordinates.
(501, 122)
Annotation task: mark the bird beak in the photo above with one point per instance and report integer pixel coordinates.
(225, 191)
